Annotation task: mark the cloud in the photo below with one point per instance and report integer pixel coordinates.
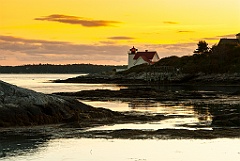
(19, 40)
(115, 39)
(184, 31)
(24, 51)
(170, 22)
(2, 58)
(77, 20)
(221, 36)
(166, 50)
(108, 42)
(227, 36)
(121, 38)
(211, 38)
(18, 51)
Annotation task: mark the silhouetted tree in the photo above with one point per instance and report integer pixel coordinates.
(202, 47)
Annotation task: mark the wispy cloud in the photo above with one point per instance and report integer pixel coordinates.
(211, 38)
(108, 42)
(220, 36)
(227, 36)
(77, 20)
(22, 40)
(170, 22)
(32, 50)
(29, 51)
(2, 58)
(178, 49)
(120, 38)
(184, 31)
(115, 39)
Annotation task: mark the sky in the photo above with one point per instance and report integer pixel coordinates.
(103, 31)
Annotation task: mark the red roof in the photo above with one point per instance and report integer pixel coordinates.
(148, 55)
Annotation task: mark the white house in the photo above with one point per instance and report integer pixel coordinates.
(143, 57)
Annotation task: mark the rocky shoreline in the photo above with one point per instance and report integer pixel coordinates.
(147, 93)
(225, 79)
(58, 131)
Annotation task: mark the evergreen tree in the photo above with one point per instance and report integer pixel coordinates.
(202, 47)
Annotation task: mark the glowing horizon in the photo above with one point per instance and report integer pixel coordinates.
(101, 32)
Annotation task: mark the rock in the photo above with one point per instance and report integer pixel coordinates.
(2, 154)
(232, 120)
(24, 107)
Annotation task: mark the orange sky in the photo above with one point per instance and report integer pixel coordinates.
(102, 31)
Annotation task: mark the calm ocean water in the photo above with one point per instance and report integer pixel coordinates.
(41, 82)
(75, 149)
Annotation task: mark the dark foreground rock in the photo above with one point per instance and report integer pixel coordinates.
(23, 107)
(227, 120)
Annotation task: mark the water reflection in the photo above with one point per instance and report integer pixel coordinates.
(186, 116)
(15, 143)
(196, 114)
(143, 105)
(136, 150)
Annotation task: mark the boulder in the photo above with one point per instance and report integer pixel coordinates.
(24, 107)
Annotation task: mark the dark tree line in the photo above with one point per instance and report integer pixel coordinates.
(49, 68)
(217, 59)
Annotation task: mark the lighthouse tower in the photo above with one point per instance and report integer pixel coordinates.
(131, 55)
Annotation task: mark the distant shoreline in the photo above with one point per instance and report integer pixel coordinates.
(58, 69)
(196, 79)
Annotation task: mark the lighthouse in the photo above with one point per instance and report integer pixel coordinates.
(136, 57)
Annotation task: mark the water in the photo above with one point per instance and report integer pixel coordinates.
(190, 115)
(37, 148)
(134, 150)
(41, 83)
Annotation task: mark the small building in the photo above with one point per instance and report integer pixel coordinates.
(238, 37)
(226, 41)
(142, 57)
